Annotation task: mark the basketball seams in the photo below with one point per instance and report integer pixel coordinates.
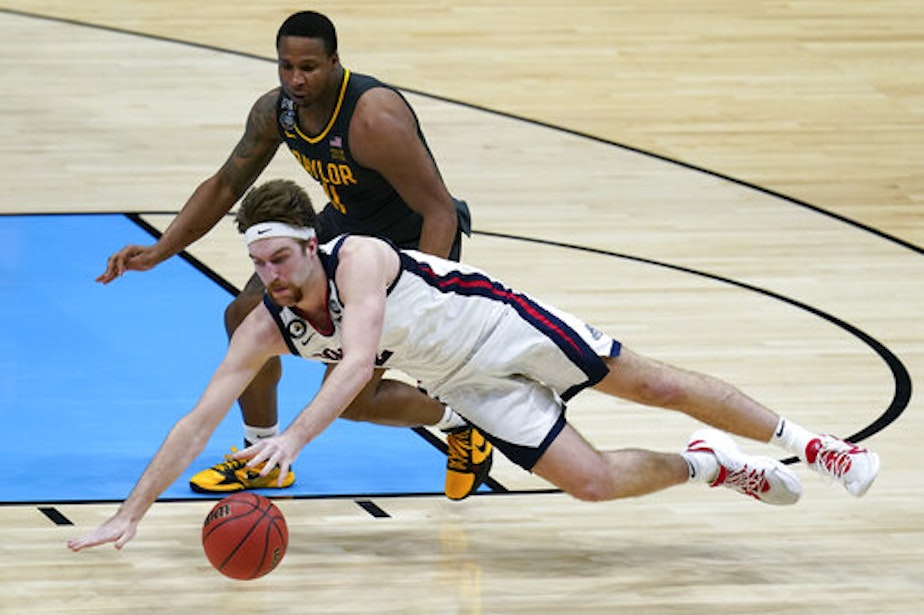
(268, 545)
(218, 523)
(240, 543)
(258, 532)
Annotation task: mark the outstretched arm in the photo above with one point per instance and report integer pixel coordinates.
(252, 344)
(367, 267)
(213, 198)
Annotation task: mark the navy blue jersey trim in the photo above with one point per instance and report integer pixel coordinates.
(479, 285)
(567, 395)
(274, 311)
(332, 260)
(526, 456)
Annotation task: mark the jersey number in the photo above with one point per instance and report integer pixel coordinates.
(331, 193)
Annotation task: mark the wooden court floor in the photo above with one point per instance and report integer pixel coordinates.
(783, 252)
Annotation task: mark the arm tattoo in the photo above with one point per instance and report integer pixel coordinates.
(257, 146)
(260, 122)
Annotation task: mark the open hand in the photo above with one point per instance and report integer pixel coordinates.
(269, 453)
(117, 530)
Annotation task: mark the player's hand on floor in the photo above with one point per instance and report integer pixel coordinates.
(116, 530)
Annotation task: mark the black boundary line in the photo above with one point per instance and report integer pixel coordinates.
(233, 290)
(903, 387)
(373, 509)
(900, 399)
(427, 435)
(778, 195)
(192, 260)
(55, 515)
(134, 33)
(355, 497)
(900, 374)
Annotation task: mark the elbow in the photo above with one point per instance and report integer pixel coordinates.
(442, 216)
(363, 372)
(357, 371)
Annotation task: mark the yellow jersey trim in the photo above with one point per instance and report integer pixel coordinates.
(334, 115)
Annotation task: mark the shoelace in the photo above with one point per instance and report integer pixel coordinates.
(747, 481)
(460, 446)
(836, 462)
(832, 456)
(230, 465)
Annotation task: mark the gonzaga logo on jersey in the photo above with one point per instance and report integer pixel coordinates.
(297, 329)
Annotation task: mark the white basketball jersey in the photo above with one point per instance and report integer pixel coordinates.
(467, 338)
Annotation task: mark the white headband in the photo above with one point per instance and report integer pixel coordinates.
(265, 230)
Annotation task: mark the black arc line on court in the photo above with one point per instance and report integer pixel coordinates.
(902, 392)
(648, 154)
(901, 376)
(902, 379)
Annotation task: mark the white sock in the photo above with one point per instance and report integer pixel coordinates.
(792, 437)
(450, 420)
(254, 434)
(704, 467)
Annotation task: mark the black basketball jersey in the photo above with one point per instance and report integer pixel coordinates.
(363, 201)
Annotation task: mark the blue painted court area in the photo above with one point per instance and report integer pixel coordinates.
(92, 377)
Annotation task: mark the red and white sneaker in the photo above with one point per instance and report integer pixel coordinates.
(761, 478)
(849, 464)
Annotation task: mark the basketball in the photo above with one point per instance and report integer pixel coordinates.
(245, 536)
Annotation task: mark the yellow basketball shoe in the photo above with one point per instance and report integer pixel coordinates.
(231, 475)
(467, 463)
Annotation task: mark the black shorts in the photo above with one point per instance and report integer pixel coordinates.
(330, 223)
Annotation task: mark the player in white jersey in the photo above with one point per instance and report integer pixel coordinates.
(507, 334)
(499, 358)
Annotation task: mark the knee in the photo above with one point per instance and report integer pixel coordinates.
(363, 408)
(359, 411)
(271, 370)
(592, 490)
(594, 486)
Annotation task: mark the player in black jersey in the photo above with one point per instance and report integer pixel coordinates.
(360, 139)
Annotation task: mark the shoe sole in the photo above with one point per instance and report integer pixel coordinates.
(235, 487)
(199, 489)
(790, 479)
(859, 488)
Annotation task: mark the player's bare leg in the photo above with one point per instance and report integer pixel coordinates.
(721, 405)
(392, 402)
(382, 401)
(705, 398)
(573, 465)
